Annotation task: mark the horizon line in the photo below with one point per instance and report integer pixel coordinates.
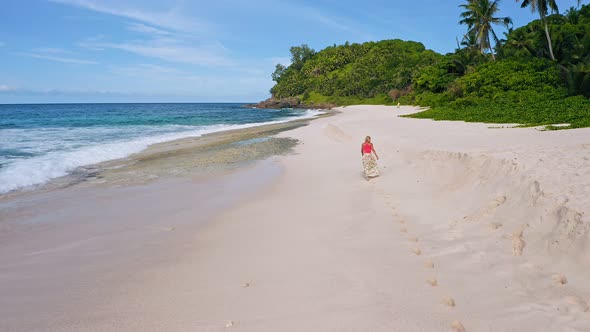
(174, 102)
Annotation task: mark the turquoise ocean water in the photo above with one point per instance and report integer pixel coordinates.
(44, 141)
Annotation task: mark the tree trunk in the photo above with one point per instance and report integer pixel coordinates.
(548, 39)
(491, 49)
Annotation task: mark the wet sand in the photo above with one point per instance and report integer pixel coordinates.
(65, 245)
(203, 156)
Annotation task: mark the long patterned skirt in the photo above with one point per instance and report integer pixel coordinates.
(370, 165)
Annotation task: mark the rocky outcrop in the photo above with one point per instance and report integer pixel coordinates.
(279, 103)
(292, 102)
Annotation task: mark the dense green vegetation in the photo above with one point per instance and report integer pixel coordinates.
(353, 70)
(538, 74)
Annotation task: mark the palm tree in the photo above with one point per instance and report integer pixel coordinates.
(572, 15)
(470, 41)
(521, 43)
(542, 7)
(479, 18)
(578, 77)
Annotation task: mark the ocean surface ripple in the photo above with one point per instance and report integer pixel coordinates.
(44, 141)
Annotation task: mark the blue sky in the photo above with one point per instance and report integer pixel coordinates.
(195, 51)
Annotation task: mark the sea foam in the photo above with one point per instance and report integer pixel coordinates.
(69, 150)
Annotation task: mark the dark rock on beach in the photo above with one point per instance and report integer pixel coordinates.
(292, 102)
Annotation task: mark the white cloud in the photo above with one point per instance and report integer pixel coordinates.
(314, 14)
(170, 34)
(57, 55)
(172, 50)
(50, 50)
(147, 70)
(6, 88)
(157, 79)
(172, 18)
(158, 82)
(140, 27)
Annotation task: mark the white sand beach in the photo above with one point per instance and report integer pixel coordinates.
(468, 228)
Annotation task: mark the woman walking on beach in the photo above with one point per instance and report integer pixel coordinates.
(369, 162)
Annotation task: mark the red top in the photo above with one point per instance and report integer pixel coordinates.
(367, 147)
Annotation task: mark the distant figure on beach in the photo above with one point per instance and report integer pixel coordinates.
(369, 162)
(398, 104)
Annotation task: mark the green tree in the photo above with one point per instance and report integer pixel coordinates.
(542, 7)
(300, 54)
(469, 41)
(367, 70)
(479, 16)
(578, 78)
(572, 15)
(279, 71)
(521, 43)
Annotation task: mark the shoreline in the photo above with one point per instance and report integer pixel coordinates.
(121, 217)
(466, 225)
(88, 171)
(68, 248)
(94, 174)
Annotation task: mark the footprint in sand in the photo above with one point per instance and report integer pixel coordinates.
(403, 230)
(559, 279)
(518, 243)
(458, 326)
(578, 302)
(433, 282)
(429, 264)
(417, 251)
(495, 225)
(449, 302)
(486, 210)
(413, 239)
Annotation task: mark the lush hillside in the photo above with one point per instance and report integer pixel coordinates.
(521, 80)
(352, 71)
(507, 91)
